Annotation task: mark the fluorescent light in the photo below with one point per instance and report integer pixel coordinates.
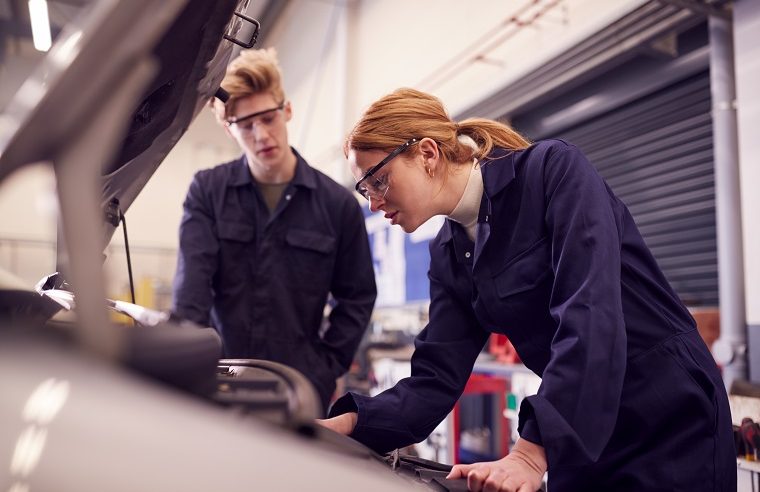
(38, 12)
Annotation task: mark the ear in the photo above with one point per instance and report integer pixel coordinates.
(217, 107)
(226, 127)
(288, 111)
(430, 152)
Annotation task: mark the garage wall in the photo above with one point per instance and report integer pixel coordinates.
(656, 153)
(340, 56)
(747, 49)
(747, 54)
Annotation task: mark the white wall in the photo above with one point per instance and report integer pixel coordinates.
(28, 211)
(747, 49)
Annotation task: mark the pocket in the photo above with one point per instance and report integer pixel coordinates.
(235, 243)
(525, 270)
(234, 231)
(686, 353)
(310, 259)
(310, 240)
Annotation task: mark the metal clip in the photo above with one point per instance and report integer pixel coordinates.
(255, 34)
(394, 459)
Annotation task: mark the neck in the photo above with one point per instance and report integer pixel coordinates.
(281, 172)
(466, 210)
(456, 182)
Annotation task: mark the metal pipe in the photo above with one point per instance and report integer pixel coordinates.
(730, 349)
(338, 10)
(700, 7)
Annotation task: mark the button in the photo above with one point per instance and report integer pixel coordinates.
(287, 197)
(467, 255)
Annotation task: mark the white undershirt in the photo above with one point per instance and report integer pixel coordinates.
(466, 211)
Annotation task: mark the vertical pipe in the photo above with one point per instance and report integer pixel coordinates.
(352, 104)
(340, 170)
(321, 69)
(730, 349)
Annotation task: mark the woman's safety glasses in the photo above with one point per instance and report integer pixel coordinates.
(370, 186)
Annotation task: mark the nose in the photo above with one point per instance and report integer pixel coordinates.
(375, 203)
(259, 132)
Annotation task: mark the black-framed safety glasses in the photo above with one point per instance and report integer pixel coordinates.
(369, 185)
(247, 122)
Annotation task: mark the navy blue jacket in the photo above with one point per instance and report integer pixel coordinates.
(262, 280)
(559, 266)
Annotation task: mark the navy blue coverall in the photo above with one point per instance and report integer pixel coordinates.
(630, 398)
(262, 280)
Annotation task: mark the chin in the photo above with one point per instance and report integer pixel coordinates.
(409, 228)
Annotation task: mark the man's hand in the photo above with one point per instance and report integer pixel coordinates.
(342, 424)
(522, 470)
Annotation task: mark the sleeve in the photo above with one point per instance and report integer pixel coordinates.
(576, 407)
(445, 352)
(196, 258)
(353, 289)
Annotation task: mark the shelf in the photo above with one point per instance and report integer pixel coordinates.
(486, 365)
(752, 466)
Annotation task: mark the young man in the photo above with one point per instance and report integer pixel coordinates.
(265, 238)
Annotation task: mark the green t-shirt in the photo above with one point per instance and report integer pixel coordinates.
(272, 193)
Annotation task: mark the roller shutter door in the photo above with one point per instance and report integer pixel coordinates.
(656, 153)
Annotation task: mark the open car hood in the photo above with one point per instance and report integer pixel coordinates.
(186, 45)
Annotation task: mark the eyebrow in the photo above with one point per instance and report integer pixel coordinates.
(370, 171)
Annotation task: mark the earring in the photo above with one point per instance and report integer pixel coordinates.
(430, 172)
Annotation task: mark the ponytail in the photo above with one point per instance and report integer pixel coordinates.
(488, 134)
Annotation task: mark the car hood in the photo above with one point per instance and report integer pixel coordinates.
(189, 53)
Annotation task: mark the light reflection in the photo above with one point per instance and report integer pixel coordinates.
(40, 409)
(46, 401)
(30, 94)
(19, 487)
(28, 450)
(66, 49)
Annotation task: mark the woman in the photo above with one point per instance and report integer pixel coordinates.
(538, 247)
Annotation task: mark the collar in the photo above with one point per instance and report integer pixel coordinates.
(497, 170)
(304, 176)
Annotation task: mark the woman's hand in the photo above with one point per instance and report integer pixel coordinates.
(522, 470)
(342, 424)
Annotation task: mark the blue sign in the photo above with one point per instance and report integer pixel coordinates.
(401, 260)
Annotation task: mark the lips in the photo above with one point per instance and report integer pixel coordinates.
(391, 216)
(266, 150)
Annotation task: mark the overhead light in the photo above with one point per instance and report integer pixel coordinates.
(38, 13)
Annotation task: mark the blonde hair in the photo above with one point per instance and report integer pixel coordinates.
(252, 72)
(408, 113)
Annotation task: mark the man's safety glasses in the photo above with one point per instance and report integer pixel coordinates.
(259, 119)
(371, 186)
